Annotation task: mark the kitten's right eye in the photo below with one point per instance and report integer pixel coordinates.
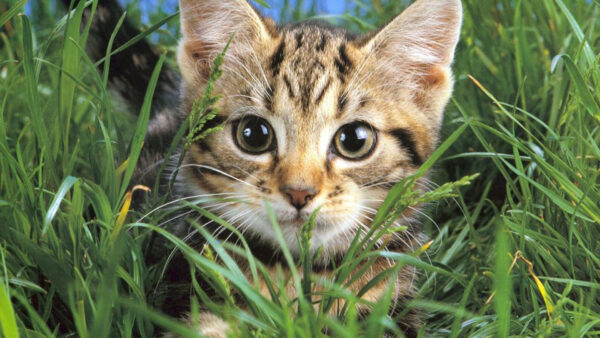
(254, 135)
(355, 141)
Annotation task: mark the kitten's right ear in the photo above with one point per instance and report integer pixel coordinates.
(207, 26)
(417, 49)
(419, 44)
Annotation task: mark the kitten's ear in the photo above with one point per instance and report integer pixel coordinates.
(419, 44)
(207, 26)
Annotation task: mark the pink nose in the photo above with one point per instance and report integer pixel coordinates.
(299, 197)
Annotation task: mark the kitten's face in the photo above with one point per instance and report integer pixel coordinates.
(314, 119)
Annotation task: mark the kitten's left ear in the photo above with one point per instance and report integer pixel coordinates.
(418, 45)
(207, 26)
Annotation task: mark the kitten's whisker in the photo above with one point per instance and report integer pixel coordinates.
(237, 215)
(235, 220)
(379, 184)
(423, 214)
(381, 177)
(395, 235)
(365, 216)
(392, 177)
(260, 68)
(372, 200)
(363, 207)
(250, 84)
(245, 110)
(191, 234)
(251, 74)
(263, 91)
(245, 171)
(183, 199)
(396, 177)
(243, 96)
(215, 207)
(202, 166)
(173, 252)
(365, 229)
(151, 167)
(354, 83)
(174, 218)
(244, 226)
(245, 68)
(358, 71)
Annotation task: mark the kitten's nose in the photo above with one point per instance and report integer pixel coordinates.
(299, 197)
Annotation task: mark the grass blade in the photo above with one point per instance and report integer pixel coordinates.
(39, 125)
(140, 132)
(58, 198)
(7, 315)
(11, 12)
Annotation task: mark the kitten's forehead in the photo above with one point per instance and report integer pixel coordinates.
(309, 66)
(315, 36)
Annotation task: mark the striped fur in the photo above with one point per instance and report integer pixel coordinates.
(307, 80)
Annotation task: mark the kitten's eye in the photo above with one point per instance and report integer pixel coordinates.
(355, 141)
(254, 135)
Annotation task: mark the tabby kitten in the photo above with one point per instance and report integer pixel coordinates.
(314, 118)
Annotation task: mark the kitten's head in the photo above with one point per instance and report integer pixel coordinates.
(314, 117)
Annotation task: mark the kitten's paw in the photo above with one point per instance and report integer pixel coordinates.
(209, 325)
(206, 324)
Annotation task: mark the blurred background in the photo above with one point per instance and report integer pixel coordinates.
(354, 15)
(316, 7)
(280, 10)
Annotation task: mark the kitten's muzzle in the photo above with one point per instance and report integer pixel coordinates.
(299, 197)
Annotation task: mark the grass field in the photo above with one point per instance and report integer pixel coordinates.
(515, 253)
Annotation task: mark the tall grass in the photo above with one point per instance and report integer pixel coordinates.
(514, 253)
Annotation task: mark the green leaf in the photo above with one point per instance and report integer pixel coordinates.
(139, 37)
(34, 103)
(70, 63)
(11, 12)
(7, 315)
(262, 3)
(502, 283)
(58, 198)
(588, 53)
(140, 131)
(585, 94)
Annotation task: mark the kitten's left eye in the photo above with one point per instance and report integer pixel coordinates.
(254, 135)
(355, 141)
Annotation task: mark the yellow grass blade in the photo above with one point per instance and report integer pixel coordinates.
(125, 209)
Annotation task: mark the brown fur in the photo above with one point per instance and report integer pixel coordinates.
(308, 80)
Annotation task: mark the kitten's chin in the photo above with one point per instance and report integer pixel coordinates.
(297, 222)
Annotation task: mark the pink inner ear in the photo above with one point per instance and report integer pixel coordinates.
(425, 33)
(435, 76)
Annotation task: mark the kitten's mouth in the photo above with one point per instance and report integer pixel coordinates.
(297, 221)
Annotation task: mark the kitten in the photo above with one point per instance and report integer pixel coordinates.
(314, 118)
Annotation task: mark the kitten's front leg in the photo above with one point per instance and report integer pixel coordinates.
(207, 324)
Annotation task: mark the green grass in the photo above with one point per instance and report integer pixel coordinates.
(525, 116)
